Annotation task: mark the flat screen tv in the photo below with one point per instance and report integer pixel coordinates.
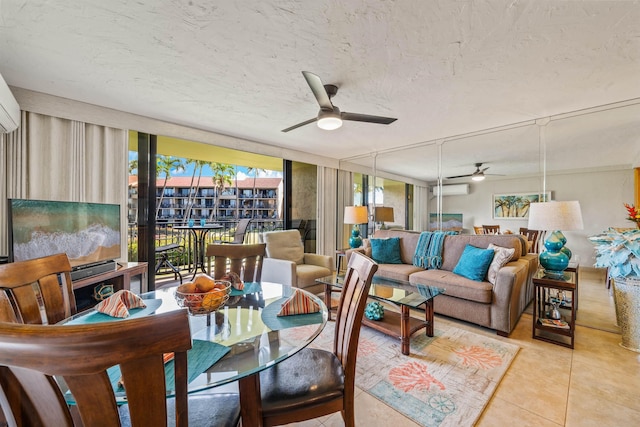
(89, 233)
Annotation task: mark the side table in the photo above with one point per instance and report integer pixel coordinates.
(557, 293)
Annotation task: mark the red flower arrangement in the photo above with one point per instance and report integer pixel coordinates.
(633, 213)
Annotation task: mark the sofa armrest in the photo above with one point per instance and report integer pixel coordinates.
(319, 260)
(510, 281)
(362, 250)
(279, 271)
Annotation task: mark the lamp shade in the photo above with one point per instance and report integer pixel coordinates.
(355, 215)
(384, 214)
(565, 216)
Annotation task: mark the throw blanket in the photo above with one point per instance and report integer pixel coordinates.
(428, 253)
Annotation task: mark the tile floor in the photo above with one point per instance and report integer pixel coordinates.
(595, 384)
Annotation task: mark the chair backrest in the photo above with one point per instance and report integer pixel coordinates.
(353, 298)
(81, 355)
(284, 244)
(491, 229)
(244, 260)
(478, 229)
(241, 230)
(37, 291)
(532, 236)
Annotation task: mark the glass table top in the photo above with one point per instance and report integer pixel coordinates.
(247, 331)
(390, 290)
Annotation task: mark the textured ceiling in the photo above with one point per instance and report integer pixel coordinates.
(444, 68)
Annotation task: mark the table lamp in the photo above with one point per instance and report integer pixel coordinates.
(355, 215)
(383, 214)
(554, 217)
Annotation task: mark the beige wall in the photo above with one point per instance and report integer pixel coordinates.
(601, 194)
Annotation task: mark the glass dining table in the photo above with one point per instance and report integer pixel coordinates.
(232, 344)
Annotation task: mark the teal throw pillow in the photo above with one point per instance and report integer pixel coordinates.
(474, 263)
(386, 251)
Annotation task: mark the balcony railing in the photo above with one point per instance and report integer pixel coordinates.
(166, 234)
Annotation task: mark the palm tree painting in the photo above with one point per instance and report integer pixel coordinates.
(516, 205)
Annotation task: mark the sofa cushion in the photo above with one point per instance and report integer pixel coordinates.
(455, 285)
(386, 251)
(397, 271)
(474, 263)
(454, 246)
(501, 257)
(408, 242)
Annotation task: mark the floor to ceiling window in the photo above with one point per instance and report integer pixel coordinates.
(194, 181)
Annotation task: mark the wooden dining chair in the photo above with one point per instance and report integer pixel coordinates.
(79, 356)
(316, 382)
(37, 291)
(244, 260)
(533, 237)
(478, 229)
(491, 229)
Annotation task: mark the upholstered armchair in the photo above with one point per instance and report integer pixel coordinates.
(287, 263)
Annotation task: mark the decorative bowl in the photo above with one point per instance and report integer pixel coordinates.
(199, 302)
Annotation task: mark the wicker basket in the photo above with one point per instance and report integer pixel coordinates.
(204, 303)
(627, 300)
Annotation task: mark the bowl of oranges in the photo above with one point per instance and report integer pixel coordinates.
(204, 295)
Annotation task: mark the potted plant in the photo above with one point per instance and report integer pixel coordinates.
(619, 252)
(633, 214)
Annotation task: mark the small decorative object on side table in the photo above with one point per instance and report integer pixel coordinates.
(554, 307)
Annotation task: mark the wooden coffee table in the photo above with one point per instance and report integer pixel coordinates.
(399, 293)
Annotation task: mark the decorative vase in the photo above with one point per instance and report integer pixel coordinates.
(374, 311)
(555, 258)
(355, 241)
(626, 291)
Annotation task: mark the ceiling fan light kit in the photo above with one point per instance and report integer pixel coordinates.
(479, 177)
(329, 120)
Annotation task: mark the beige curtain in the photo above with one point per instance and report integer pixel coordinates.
(327, 207)
(345, 198)
(58, 159)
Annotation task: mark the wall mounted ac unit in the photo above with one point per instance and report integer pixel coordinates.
(9, 109)
(452, 190)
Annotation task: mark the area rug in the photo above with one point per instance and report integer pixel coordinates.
(447, 380)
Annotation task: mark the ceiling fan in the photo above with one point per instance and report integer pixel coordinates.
(478, 175)
(330, 117)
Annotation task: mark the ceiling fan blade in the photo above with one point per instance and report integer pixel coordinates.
(367, 118)
(458, 176)
(482, 171)
(300, 124)
(318, 90)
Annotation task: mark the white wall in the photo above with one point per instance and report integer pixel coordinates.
(601, 194)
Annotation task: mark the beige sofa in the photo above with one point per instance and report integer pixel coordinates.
(496, 306)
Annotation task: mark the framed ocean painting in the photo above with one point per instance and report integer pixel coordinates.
(450, 222)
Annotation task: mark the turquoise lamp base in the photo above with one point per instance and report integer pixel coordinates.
(355, 241)
(555, 259)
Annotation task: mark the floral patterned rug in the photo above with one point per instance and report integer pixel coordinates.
(447, 380)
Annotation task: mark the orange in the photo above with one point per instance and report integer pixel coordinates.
(212, 300)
